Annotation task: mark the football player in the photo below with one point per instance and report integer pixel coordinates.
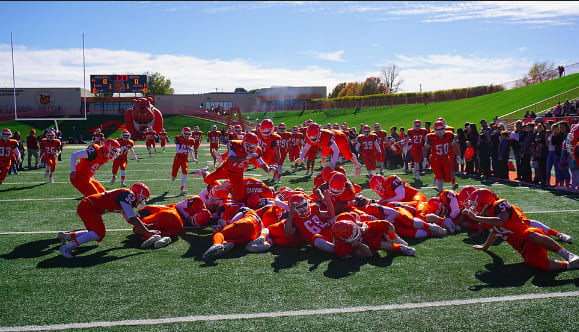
(164, 219)
(126, 144)
(283, 148)
(8, 148)
(163, 137)
(368, 147)
(240, 154)
(381, 137)
(183, 150)
(270, 144)
(329, 141)
(504, 220)
(50, 149)
(295, 145)
(214, 137)
(394, 189)
(150, 136)
(91, 159)
(417, 137)
(91, 208)
(197, 135)
(442, 145)
(98, 137)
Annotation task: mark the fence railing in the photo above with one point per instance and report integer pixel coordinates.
(544, 105)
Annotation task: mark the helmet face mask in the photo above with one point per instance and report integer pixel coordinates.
(111, 148)
(213, 128)
(51, 135)
(196, 128)
(186, 132)
(250, 142)
(302, 205)
(125, 135)
(346, 230)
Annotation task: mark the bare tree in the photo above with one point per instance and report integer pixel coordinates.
(541, 71)
(392, 80)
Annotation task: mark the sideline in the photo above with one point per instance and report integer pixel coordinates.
(331, 311)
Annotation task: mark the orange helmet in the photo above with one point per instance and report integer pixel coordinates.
(250, 142)
(238, 129)
(481, 198)
(141, 192)
(50, 135)
(377, 184)
(434, 204)
(464, 196)
(126, 135)
(302, 205)
(295, 129)
(442, 120)
(346, 230)
(281, 127)
(6, 134)
(366, 130)
(266, 128)
(439, 125)
(202, 217)
(186, 132)
(313, 132)
(337, 183)
(111, 147)
(377, 127)
(417, 124)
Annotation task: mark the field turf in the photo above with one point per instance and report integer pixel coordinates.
(169, 289)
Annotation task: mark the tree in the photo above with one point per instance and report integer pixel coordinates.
(541, 71)
(337, 90)
(351, 89)
(373, 86)
(157, 84)
(392, 80)
(240, 90)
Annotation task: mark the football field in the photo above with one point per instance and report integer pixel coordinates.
(116, 286)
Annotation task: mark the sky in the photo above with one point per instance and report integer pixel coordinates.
(219, 46)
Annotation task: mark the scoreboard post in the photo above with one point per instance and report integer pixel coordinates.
(118, 83)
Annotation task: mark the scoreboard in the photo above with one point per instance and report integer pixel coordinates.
(118, 83)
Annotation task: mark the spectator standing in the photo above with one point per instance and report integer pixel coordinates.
(540, 154)
(516, 146)
(18, 138)
(461, 139)
(59, 137)
(564, 165)
(472, 135)
(527, 138)
(32, 146)
(469, 158)
(484, 156)
(495, 141)
(503, 156)
(554, 141)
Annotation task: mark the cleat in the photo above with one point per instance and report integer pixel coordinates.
(448, 224)
(148, 243)
(200, 171)
(437, 230)
(196, 161)
(183, 192)
(66, 250)
(258, 245)
(51, 179)
(163, 242)
(408, 251)
(173, 179)
(457, 228)
(573, 261)
(564, 237)
(123, 184)
(113, 180)
(399, 240)
(455, 186)
(64, 237)
(217, 250)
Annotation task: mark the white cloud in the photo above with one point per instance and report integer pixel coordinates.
(63, 68)
(329, 56)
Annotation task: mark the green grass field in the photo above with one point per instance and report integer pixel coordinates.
(169, 289)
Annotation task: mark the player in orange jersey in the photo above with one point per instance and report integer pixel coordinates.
(91, 209)
(163, 137)
(91, 159)
(417, 137)
(164, 219)
(8, 148)
(368, 147)
(329, 141)
(214, 137)
(505, 221)
(295, 145)
(255, 190)
(50, 148)
(98, 137)
(354, 238)
(381, 137)
(197, 135)
(150, 136)
(126, 144)
(183, 148)
(269, 142)
(283, 147)
(240, 154)
(443, 146)
(394, 189)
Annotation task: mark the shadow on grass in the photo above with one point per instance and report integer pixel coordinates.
(499, 275)
(288, 257)
(97, 258)
(33, 249)
(22, 188)
(160, 198)
(199, 242)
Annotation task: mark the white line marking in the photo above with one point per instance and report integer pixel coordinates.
(55, 232)
(330, 311)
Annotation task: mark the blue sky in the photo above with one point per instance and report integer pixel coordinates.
(204, 46)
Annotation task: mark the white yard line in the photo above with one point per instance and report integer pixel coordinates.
(296, 313)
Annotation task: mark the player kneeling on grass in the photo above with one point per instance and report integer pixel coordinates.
(92, 207)
(353, 238)
(505, 221)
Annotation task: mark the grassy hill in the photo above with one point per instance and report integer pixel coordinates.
(455, 112)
